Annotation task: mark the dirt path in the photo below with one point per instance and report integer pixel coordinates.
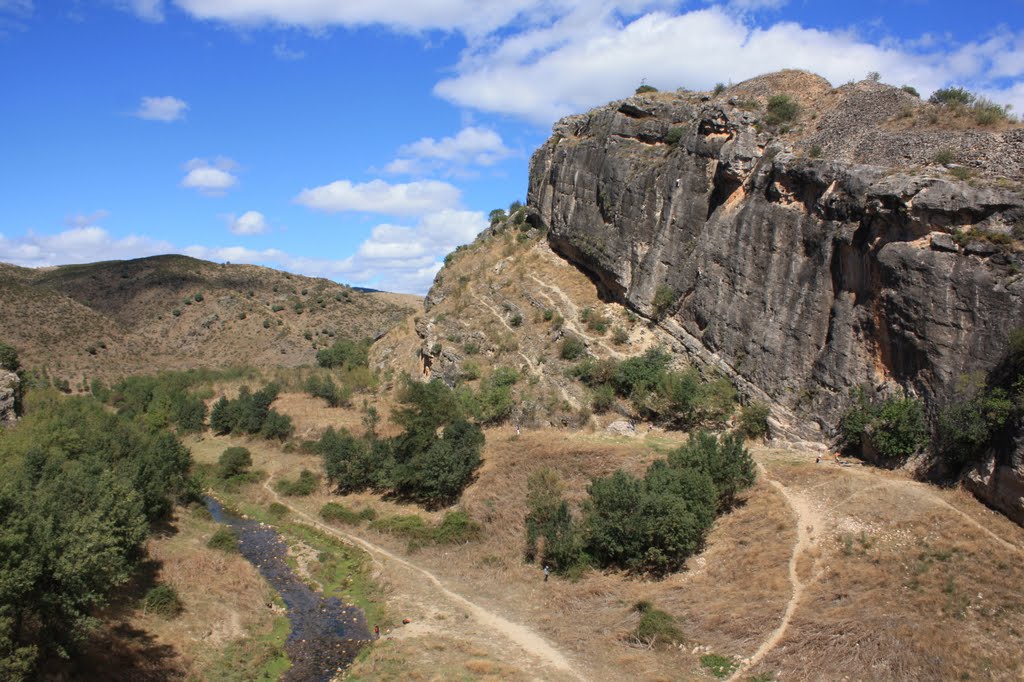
(526, 638)
(805, 518)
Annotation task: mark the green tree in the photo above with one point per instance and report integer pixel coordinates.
(9, 357)
(725, 459)
(234, 461)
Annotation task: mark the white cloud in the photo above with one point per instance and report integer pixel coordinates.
(474, 17)
(284, 53)
(394, 257)
(249, 223)
(377, 196)
(165, 109)
(85, 244)
(211, 178)
(147, 10)
(471, 146)
(584, 63)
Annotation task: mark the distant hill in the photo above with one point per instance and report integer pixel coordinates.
(115, 318)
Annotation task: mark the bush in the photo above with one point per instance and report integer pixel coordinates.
(303, 486)
(163, 600)
(655, 626)
(894, 428)
(345, 353)
(339, 513)
(619, 336)
(548, 314)
(224, 540)
(986, 112)
(552, 536)
(234, 461)
(324, 387)
(781, 109)
(644, 88)
(9, 357)
(277, 511)
(664, 297)
(674, 134)
(602, 398)
(943, 157)
(572, 348)
(719, 89)
(719, 666)
(910, 89)
(516, 320)
(725, 460)
(754, 420)
(952, 96)
(176, 312)
(198, 298)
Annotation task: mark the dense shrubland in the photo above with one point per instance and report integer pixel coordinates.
(79, 489)
(649, 524)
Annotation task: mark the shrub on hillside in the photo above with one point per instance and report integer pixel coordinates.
(334, 512)
(643, 88)
(724, 459)
(345, 353)
(781, 109)
(324, 387)
(552, 536)
(572, 348)
(952, 96)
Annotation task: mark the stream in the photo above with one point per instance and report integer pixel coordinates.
(326, 634)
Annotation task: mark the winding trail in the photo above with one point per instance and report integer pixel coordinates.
(804, 523)
(526, 638)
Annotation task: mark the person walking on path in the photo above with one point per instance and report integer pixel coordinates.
(546, 573)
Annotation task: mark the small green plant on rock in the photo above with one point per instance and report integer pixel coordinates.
(781, 109)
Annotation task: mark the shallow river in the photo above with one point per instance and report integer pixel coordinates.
(326, 633)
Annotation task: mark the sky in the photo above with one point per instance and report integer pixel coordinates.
(363, 140)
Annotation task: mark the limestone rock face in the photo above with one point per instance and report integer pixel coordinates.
(799, 277)
(10, 386)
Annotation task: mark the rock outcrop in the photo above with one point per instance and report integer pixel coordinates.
(800, 275)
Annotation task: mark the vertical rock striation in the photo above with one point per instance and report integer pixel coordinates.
(799, 277)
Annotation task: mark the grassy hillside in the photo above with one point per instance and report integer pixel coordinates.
(116, 318)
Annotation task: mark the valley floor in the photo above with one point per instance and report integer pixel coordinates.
(824, 572)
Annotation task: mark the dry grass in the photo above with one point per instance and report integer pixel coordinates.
(224, 599)
(898, 583)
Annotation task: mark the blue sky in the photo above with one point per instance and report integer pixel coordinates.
(362, 141)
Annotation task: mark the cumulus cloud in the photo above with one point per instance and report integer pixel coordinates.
(402, 258)
(590, 60)
(471, 146)
(377, 196)
(85, 244)
(249, 223)
(212, 178)
(165, 109)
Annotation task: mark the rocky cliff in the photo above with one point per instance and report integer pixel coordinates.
(802, 258)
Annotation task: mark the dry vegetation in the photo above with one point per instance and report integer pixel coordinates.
(901, 580)
(108, 320)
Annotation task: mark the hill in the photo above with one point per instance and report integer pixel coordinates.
(114, 318)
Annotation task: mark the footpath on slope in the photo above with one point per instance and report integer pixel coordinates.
(809, 534)
(524, 637)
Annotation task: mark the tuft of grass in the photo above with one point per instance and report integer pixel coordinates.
(718, 665)
(224, 540)
(655, 626)
(163, 600)
(943, 156)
